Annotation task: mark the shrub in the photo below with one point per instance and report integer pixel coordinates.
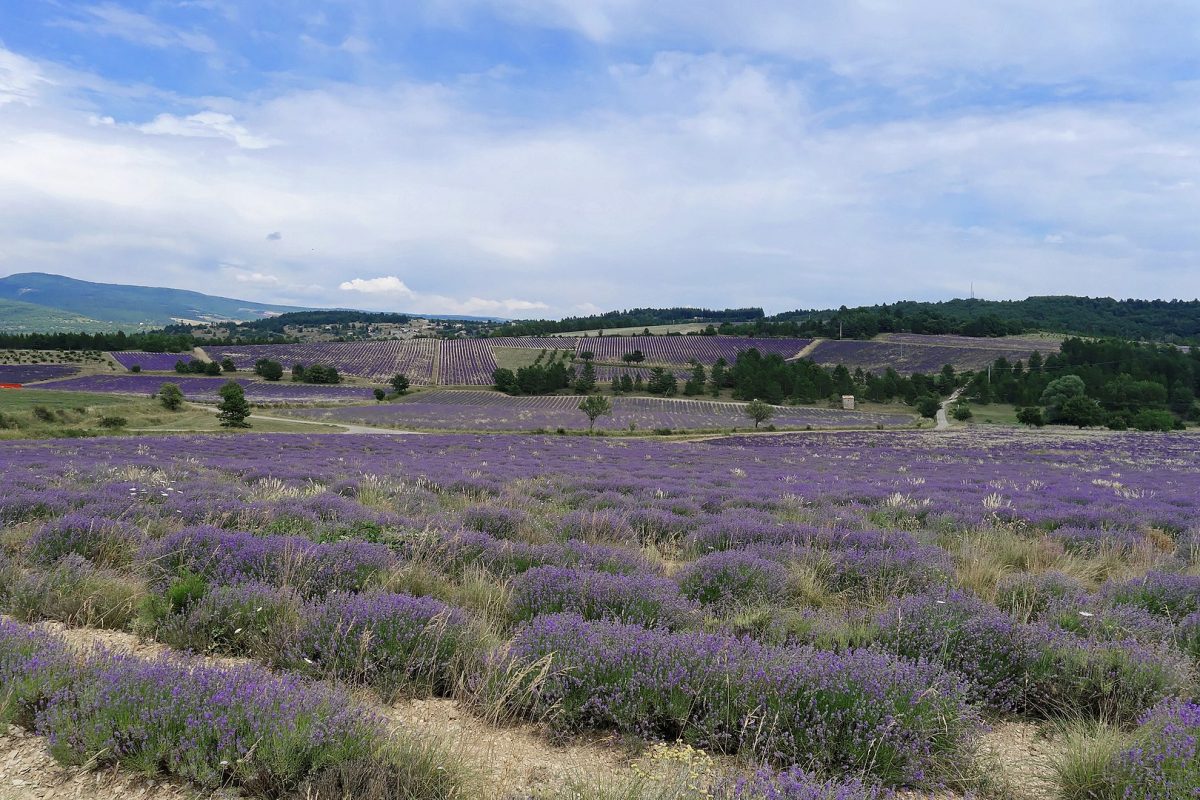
(797, 784)
(898, 722)
(77, 593)
(113, 422)
(1164, 757)
(732, 576)
(219, 726)
(33, 666)
(221, 556)
(1026, 597)
(498, 521)
(964, 634)
(104, 542)
(643, 599)
(1032, 669)
(393, 642)
(1164, 593)
(248, 619)
(43, 414)
(870, 574)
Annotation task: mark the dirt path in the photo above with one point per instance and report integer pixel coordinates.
(346, 427)
(943, 419)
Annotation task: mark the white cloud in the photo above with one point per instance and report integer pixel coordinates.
(110, 19)
(702, 180)
(389, 284)
(20, 79)
(389, 288)
(206, 124)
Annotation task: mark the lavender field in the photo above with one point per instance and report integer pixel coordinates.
(925, 354)
(375, 360)
(837, 615)
(201, 389)
(493, 411)
(27, 373)
(156, 362)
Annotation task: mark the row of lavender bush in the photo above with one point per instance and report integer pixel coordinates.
(217, 726)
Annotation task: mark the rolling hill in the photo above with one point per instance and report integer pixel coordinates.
(71, 304)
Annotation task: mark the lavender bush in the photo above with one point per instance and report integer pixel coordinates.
(104, 542)
(642, 599)
(392, 642)
(726, 578)
(1164, 759)
(797, 784)
(220, 556)
(901, 722)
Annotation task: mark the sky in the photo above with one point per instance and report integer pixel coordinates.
(546, 158)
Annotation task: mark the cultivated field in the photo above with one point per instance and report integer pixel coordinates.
(493, 411)
(793, 616)
(374, 360)
(909, 353)
(205, 389)
(151, 362)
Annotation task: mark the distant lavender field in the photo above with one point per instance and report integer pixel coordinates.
(926, 355)
(487, 411)
(150, 361)
(26, 373)
(378, 360)
(205, 389)
(682, 349)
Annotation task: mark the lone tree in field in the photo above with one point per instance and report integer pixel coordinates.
(233, 408)
(170, 396)
(228, 365)
(400, 383)
(595, 406)
(758, 411)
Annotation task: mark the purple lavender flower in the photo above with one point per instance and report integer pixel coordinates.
(643, 599)
(732, 576)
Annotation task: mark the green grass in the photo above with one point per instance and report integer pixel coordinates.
(516, 357)
(991, 414)
(21, 400)
(22, 413)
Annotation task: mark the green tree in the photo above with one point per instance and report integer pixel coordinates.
(1150, 419)
(320, 373)
(181, 367)
(379, 394)
(695, 382)
(268, 369)
(1058, 392)
(233, 408)
(1031, 416)
(758, 411)
(961, 412)
(212, 368)
(228, 365)
(400, 383)
(585, 382)
(595, 406)
(503, 379)
(716, 377)
(928, 405)
(662, 382)
(171, 397)
(626, 383)
(1081, 411)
